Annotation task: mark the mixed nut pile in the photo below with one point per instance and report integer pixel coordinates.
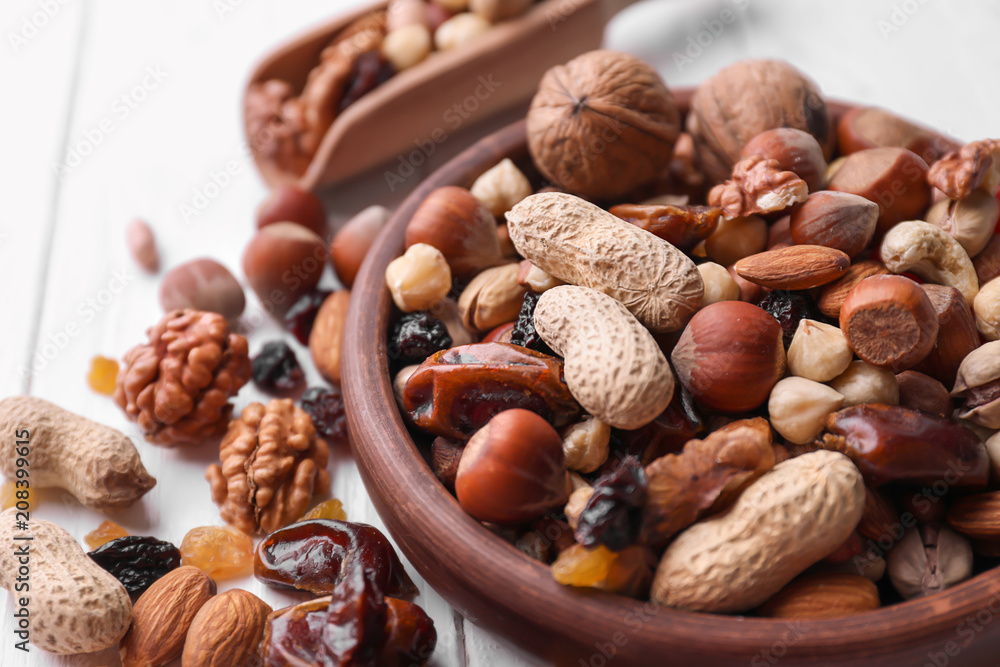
(740, 357)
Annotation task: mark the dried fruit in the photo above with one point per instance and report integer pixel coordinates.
(681, 226)
(668, 433)
(226, 631)
(416, 336)
(789, 309)
(583, 567)
(104, 533)
(928, 560)
(325, 406)
(370, 71)
(301, 316)
(137, 561)
(10, 495)
(221, 552)
(276, 370)
(613, 513)
(524, 332)
(102, 375)
(328, 509)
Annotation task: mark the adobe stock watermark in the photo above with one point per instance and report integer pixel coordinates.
(32, 24)
(223, 8)
(965, 631)
(453, 118)
(712, 29)
(900, 15)
(770, 656)
(122, 107)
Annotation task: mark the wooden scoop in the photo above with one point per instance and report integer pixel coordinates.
(449, 90)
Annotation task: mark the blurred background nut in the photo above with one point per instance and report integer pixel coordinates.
(975, 165)
(836, 220)
(928, 560)
(922, 392)
(327, 334)
(930, 253)
(736, 238)
(290, 203)
(602, 125)
(492, 298)
(993, 449)
(957, 334)
(971, 221)
(987, 309)
(864, 383)
(499, 10)
(283, 261)
(978, 382)
(832, 296)
(418, 279)
(452, 5)
(141, 244)
(459, 30)
(719, 284)
(799, 407)
(585, 444)
(177, 386)
(871, 127)
(536, 280)
(407, 46)
(351, 243)
(795, 151)
(576, 504)
(818, 351)
(502, 187)
(826, 595)
(987, 262)
(399, 382)
(748, 98)
(401, 13)
(893, 178)
(202, 284)
(455, 222)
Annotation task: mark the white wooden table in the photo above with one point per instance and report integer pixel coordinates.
(140, 102)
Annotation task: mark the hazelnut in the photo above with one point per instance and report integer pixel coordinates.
(351, 243)
(459, 30)
(290, 203)
(746, 99)
(864, 383)
(719, 284)
(283, 261)
(957, 334)
(455, 222)
(986, 306)
(736, 238)
(832, 297)
(837, 220)
(730, 355)
(971, 221)
(928, 560)
(889, 322)
(202, 284)
(407, 46)
(502, 187)
(142, 245)
(818, 351)
(419, 279)
(922, 392)
(513, 469)
(602, 125)
(893, 178)
(795, 151)
(491, 298)
(871, 127)
(798, 408)
(977, 382)
(495, 11)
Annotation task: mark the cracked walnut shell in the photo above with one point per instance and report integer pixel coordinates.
(602, 125)
(178, 385)
(272, 465)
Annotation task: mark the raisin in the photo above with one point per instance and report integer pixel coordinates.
(370, 71)
(10, 496)
(580, 566)
(103, 375)
(613, 515)
(524, 333)
(328, 509)
(220, 552)
(302, 315)
(417, 336)
(668, 433)
(104, 533)
(137, 561)
(276, 370)
(326, 408)
(790, 308)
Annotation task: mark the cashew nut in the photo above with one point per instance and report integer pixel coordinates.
(614, 367)
(931, 253)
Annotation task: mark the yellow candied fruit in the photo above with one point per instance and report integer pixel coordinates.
(10, 495)
(221, 552)
(328, 509)
(107, 531)
(103, 375)
(583, 567)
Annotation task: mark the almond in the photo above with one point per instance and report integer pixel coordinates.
(226, 631)
(822, 596)
(834, 294)
(794, 268)
(162, 615)
(977, 516)
(327, 334)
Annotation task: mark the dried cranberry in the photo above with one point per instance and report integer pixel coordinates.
(137, 561)
(275, 368)
(417, 336)
(524, 333)
(613, 515)
(300, 317)
(326, 407)
(790, 308)
(370, 71)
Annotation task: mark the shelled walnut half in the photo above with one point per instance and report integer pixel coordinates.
(272, 465)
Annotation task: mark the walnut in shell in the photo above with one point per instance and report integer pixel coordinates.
(602, 124)
(178, 385)
(750, 97)
(272, 465)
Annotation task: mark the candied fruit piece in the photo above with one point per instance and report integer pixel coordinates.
(137, 561)
(583, 567)
(326, 408)
(10, 495)
(417, 336)
(328, 509)
(103, 375)
(276, 369)
(104, 533)
(302, 315)
(220, 552)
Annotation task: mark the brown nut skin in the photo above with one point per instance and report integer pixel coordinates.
(870, 127)
(602, 125)
(837, 220)
(977, 516)
(226, 631)
(445, 456)
(796, 267)
(141, 244)
(893, 178)
(327, 334)
(351, 244)
(922, 392)
(455, 222)
(880, 514)
(290, 203)
(512, 470)
(730, 356)
(957, 335)
(282, 262)
(889, 322)
(832, 297)
(750, 97)
(202, 284)
(895, 444)
(987, 262)
(818, 596)
(796, 151)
